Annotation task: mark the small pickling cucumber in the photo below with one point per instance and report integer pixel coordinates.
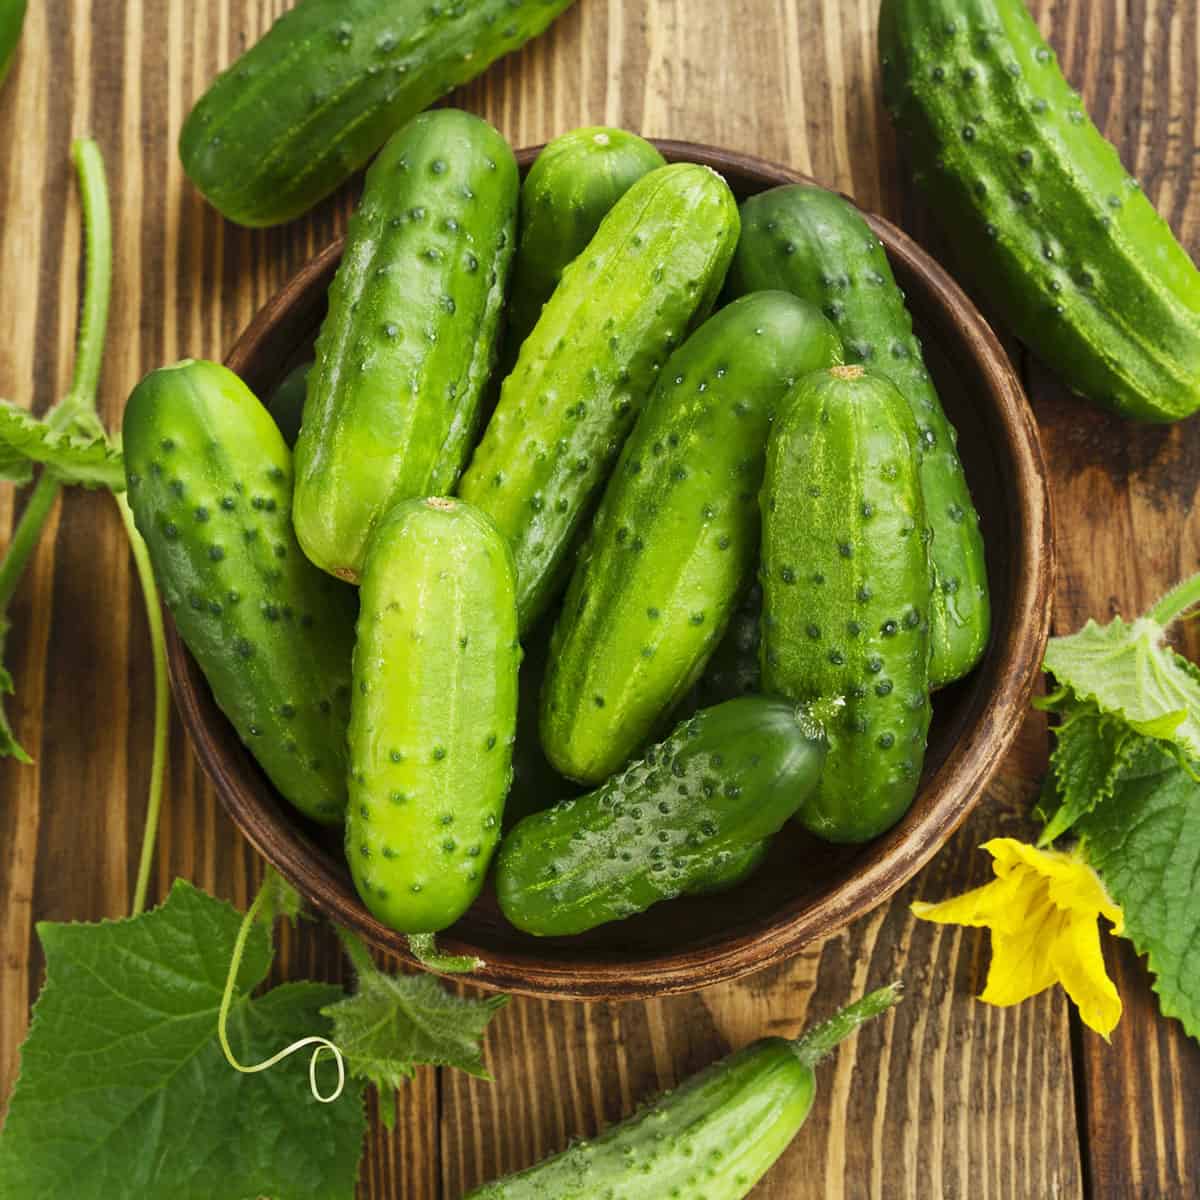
(410, 338)
(210, 485)
(845, 577)
(676, 537)
(815, 243)
(329, 83)
(1047, 223)
(569, 190)
(652, 270)
(12, 20)
(686, 817)
(434, 712)
(286, 402)
(734, 669)
(712, 1138)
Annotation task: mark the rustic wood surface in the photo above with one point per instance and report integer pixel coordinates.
(947, 1097)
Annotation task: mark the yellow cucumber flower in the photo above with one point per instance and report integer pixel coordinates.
(1042, 909)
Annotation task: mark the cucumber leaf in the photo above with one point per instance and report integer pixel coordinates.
(78, 453)
(393, 1023)
(1144, 840)
(124, 1093)
(1127, 671)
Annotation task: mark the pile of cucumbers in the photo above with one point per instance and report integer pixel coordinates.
(692, 413)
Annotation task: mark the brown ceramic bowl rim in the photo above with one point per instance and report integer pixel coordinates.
(957, 784)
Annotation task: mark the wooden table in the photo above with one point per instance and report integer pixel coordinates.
(948, 1098)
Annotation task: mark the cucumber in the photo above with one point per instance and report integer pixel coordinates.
(210, 485)
(654, 267)
(434, 713)
(713, 1138)
(681, 819)
(330, 82)
(815, 243)
(676, 537)
(12, 21)
(286, 403)
(845, 576)
(569, 190)
(410, 337)
(1046, 222)
(734, 669)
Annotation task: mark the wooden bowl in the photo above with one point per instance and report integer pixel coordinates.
(806, 889)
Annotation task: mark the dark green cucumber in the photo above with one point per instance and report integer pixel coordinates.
(286, 404)
(734, 669)
(1046, 222)
(569, 190)
(653, 268)
(676, 536)
(12, 20)
(410, 338)
(210, 485)
(331, 81)
(815, 243)
(713, 1138)
(845, 576)
(434, 712)
(683, 817)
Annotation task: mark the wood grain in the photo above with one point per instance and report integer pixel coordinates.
(947, 1098)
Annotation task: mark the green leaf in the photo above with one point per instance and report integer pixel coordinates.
(1127, 671)
(9, 746)
(1145, 842)
(1091, 749)
(78, 453)
(394, 1023)
(123, 1092)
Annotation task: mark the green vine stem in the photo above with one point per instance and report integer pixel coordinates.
(1177, 601)
(814, 1045)
(320, 1044)
(162, 701)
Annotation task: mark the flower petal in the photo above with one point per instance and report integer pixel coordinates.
(1022, 964)
(1079, 965)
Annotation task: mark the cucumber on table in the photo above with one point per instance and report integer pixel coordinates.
(1047, 223)
(654, 267)
(845, 576)
(690, 816)
(815, 243)
(329, 83)
(434, 712)
(569, 190)
(675, 540)
(410, 338)
(712, 1138)
(210, 486)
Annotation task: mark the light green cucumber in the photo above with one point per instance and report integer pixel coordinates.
(817, 244)
(845, 577)
(676, 537)
(210, 485)
(406, 349)
(652, 270)
(286, 402)
(434, 712)
(569, 190)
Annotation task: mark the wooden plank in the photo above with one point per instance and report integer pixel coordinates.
(1125, 498)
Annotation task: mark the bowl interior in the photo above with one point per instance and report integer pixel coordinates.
(806, 888)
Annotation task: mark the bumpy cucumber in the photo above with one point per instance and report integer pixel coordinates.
(676, 536)
(286, 402)
(12, 20)
(713, 1138)
(569, 190)
(683, 817)
(815, 243)
(734, 669)
(410, 338)
(654, 266)
(310, 102)
(434, 712)
(845, 575)
(210, 485)
(1047, 223)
